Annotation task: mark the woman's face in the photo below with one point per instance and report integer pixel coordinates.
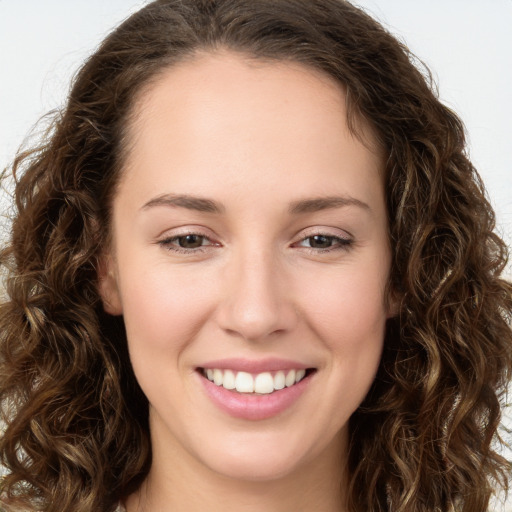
(249, 248)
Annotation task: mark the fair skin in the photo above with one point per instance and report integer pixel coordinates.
(249, 230)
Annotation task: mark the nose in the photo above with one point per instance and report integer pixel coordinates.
(257, 300)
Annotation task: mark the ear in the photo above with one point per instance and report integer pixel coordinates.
(393, 303)
(108, 285)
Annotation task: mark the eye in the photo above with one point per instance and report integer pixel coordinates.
(320, 241)
(323, 243)
(186, 243)
(191, 241)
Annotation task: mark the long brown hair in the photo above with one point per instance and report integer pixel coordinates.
(76, 432)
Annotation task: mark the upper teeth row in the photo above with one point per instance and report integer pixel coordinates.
(263, 383)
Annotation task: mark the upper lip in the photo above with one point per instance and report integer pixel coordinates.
(254, 366)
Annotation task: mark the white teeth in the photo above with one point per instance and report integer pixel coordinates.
(263, 383)
(290, 378)
(279, 380)
(229, 380)
(299, 375)
(218, 377)
(244, 383)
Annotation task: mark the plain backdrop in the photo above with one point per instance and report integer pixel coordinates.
(466, 43)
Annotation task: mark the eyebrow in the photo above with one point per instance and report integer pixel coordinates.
(325, 203)
(210, 206)
(185, 201)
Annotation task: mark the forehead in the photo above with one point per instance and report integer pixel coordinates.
(215, 70)
(226, 114)
(207, 77)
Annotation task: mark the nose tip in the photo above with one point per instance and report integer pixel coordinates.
(256, 304)
(253, 322)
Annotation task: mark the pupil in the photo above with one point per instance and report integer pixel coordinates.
(190, 241)
(320, 241)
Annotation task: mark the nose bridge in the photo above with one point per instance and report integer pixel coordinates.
(256, 304)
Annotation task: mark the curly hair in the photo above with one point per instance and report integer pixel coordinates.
(76, 433)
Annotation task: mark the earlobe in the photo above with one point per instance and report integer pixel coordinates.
(108, 287)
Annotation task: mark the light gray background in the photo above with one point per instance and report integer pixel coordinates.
(466, 43)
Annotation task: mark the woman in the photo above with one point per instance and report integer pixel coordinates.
(252, 268)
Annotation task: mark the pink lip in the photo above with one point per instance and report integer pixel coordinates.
(252, 406)
(254, 366)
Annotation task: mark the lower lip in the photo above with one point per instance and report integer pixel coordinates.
(251, 406)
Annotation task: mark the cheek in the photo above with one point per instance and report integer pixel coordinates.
(347, 302)
(164, 309)
(346, 310)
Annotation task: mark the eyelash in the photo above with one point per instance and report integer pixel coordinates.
(337, 243)
(170, 243)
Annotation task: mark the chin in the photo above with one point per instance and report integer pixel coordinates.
(261, 458)
(262, 469)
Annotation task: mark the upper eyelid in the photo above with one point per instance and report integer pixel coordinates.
(325, 231)
(184, 231)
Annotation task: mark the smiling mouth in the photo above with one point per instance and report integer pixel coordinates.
(263, 383)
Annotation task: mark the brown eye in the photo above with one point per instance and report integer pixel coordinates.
(190, 241)
(320, 241)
